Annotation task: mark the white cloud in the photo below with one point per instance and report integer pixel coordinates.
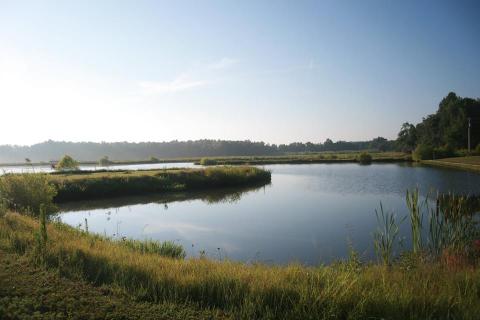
(181, 83)
(224, 63)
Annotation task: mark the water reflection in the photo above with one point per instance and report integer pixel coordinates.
(213, 196)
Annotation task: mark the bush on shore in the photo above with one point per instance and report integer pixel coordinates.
(27, 192)
(364, 158)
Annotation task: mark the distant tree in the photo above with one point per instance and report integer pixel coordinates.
(104, 161)
(27, 160)
(380, 144)
(67, 163)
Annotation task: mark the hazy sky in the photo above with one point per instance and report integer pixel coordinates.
(278, 71)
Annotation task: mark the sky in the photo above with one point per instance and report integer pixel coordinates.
(276, 71)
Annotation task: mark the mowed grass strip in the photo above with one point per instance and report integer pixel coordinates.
(471, 163)
(339, 291)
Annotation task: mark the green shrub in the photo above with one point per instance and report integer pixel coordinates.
(443, 152)
(423, 152)
(3, 207)
(67, 163)
(364, 158)
(105, 161)
(27, 192)
(208, 162)
(477, 150)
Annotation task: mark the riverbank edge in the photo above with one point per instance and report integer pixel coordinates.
(343, 290)
(453, 165)
(24, 283)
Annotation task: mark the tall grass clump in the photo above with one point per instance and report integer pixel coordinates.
(385, 236)
(67, 163)
(416, 219)
(208, 162)
(452, 227)
(27, 192)
(166, 248)
(364, 158)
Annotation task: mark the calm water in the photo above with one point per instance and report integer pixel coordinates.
(48, 168)
(308, 214)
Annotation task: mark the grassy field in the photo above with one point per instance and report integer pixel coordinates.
(306, 158)
(294, 158)
(410, 289)
(97, 185)
(471, 163)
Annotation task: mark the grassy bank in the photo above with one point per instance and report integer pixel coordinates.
(28, 291)
(324, 157)
(471, 163)
(29, 190)
(412, 289)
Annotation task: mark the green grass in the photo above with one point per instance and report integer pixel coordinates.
(424, 290)
(306, 158)
(471, 163)
(32, 292)
(97, 185)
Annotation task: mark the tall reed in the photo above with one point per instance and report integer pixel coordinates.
(385, 235)
(416, 218)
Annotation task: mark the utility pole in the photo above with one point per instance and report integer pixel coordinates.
(469, 125)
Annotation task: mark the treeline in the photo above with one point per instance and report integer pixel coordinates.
(90, 151)
(444, 133)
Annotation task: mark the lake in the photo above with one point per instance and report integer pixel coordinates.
(308, 214)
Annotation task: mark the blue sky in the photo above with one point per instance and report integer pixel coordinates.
(277, 71)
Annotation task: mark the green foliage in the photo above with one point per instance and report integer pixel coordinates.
(385, 236)
(416, 219)
(364, 158)
(27, 192)
(477, 149)
(104, 161)
(166, 249)
(452, 225)
(407, 137)
(208, 162)
(67, 163)
(447, 127)
(423, 152)
(90, 185)
(3, 206)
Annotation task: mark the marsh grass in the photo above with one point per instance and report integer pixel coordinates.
(104, 184)
(386, 235)
(27, 193)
